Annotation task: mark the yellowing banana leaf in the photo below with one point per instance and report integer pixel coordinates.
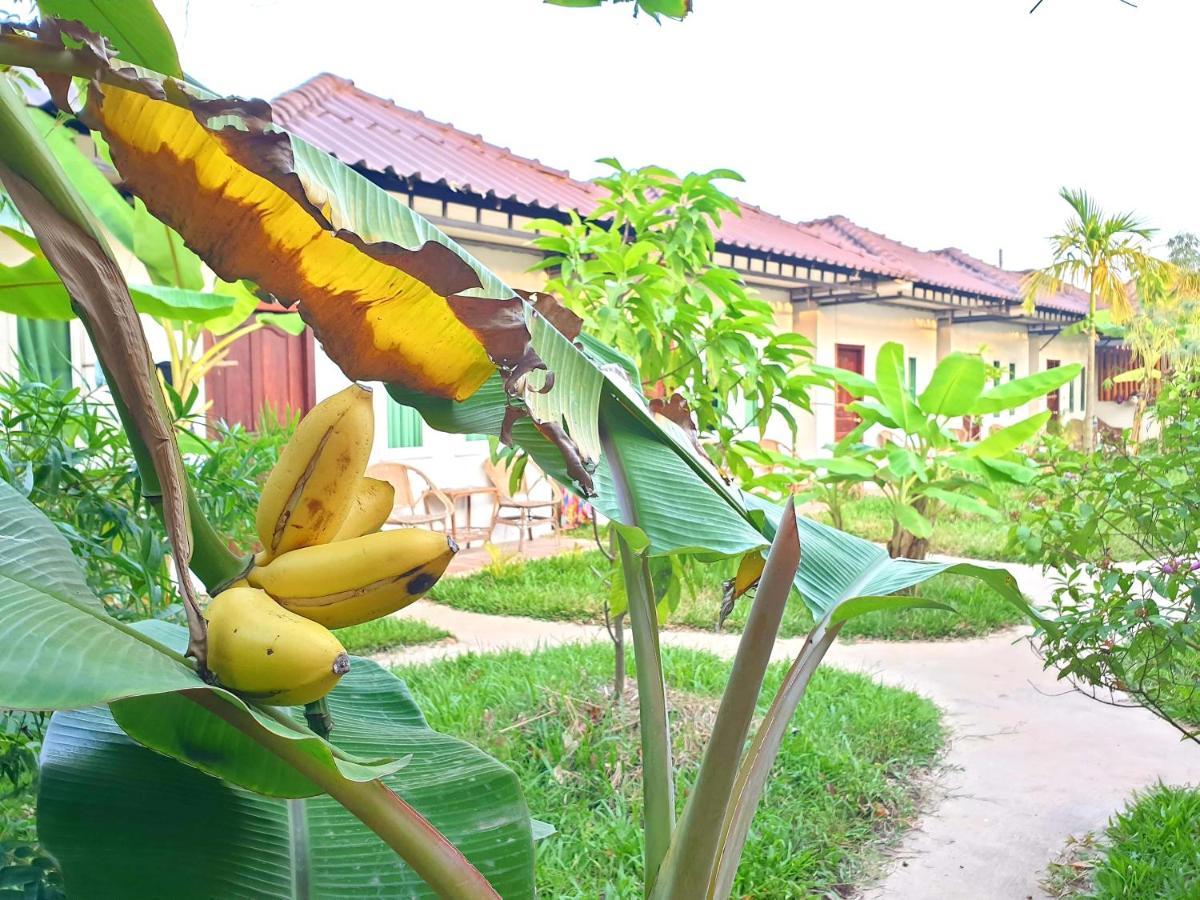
(160, 249)
(390, 297)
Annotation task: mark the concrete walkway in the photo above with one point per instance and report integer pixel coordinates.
(1027, 764)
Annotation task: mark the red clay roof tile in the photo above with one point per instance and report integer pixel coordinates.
(361, 129)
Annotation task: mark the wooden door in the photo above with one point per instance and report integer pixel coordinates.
(1052, 397)
(270, 371)
(849, 356)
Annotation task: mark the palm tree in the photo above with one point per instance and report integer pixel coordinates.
(1102, 254)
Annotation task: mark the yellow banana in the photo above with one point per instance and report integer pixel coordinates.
(369, 510)
(309, 492)
(259, 649)
(359, 579)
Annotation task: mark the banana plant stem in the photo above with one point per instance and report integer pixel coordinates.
(756, 765)
(688, 867)
(658, 777)
(406, 831)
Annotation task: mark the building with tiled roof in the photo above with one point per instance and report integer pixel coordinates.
(847, 288)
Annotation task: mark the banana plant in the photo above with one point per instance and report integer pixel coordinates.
(392, 299)
(922, 463)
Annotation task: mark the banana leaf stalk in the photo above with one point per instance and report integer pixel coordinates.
(756, 765)
(658, 774)
(72, 242)
(692, 857)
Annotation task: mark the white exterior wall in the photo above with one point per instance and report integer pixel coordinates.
(869, 325)
(1003, 343)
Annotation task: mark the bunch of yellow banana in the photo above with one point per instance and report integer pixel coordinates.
(309, 493)
(258, 648)
(324, 564)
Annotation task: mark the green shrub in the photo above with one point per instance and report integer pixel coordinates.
(66, 452)
(64, 449)
(232, 465)
(1128, 630)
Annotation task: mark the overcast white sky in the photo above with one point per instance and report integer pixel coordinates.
(938, 122)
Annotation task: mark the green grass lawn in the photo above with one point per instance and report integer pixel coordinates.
(1149, 849)
(388, 633)
(843, 787)
(572, 587)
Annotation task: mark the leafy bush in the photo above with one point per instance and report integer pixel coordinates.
(232, 465)
(640, 272)
(1128, 629)
(25, 870)
(20, 739)
(925, 465)
(64, 449)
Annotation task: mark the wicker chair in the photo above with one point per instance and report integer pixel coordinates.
(416, 506)
(524, 512)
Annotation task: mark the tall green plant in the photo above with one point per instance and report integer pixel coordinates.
(1101, 254)
(1120, 529)
(923, 464)
(443, 808)
(639, 271)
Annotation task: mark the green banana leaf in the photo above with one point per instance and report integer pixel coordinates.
(956, 383)
(162, 251)
(836, 567)
(893, 392)
(675, 9)
(288, 323)
(197, 836)
(62, 651)
(1009, 438)
(33, 289)
(1011, 394)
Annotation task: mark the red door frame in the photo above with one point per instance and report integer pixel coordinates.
(1052, 398)
(852, 357)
